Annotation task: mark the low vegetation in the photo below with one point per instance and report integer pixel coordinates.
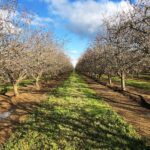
(74, 118)
(137, 83)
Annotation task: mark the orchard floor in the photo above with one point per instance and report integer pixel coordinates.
(131, 111)
(23, 105)
(73, 118)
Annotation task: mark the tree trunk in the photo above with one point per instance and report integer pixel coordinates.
(37, 83)
(109, 80)
(97, 76)
(15, 87)
(137, 75)
(132, 75)
(93, 75)
(100, 76)
(123, 86)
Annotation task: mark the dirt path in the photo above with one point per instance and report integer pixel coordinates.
(23, 105)
(135, 114)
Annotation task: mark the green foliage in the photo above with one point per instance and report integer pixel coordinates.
(73, 118)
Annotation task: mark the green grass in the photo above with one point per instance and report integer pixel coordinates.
(144, 77)
(6, 87)
(26, 82)
(73, 118)
(140, 84)
(135, 83)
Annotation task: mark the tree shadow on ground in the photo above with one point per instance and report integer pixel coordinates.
(18, 108)
(66, 122)
(84, 132)
(139, 98)
(128, 107)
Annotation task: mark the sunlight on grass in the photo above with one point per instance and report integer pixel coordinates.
(136, 83)
(7, 87)
(141, 84)
(73, 119)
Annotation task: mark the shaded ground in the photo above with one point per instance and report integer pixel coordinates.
(145, 94)
(24, 104)
(137, 86)
(133, 112)
(73, 118)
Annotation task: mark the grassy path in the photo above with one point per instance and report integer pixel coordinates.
(73, 118)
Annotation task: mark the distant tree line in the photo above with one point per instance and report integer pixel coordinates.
(123, 47)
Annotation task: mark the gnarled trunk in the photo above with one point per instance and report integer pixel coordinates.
(37, 78)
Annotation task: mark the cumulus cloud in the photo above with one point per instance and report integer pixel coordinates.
(8, 26)
(85, 17)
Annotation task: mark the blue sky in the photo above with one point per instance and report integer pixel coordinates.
(74, 21)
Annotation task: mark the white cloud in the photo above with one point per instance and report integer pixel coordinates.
(85, 17)
(8, 26)
(40, 21)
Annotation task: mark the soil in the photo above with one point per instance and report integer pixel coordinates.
(29, 98)
(22, 105)
(145, 93)
(129, 109)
